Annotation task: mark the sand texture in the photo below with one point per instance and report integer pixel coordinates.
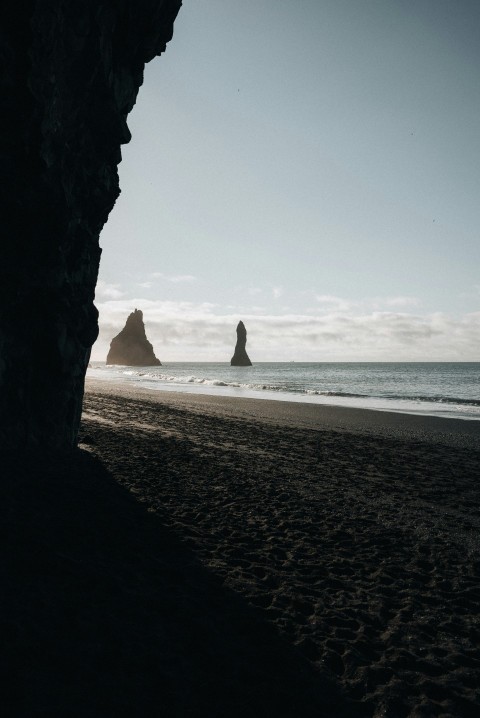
(203, 557)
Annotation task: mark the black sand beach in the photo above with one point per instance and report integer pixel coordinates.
(208, 556)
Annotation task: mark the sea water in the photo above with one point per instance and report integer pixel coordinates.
(445, 389)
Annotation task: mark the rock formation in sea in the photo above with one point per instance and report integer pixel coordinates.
(70, 76)
(131, 347)
(240, 356)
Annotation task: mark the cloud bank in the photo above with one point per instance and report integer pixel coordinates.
(186, 331)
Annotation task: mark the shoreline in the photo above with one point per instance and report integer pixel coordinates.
(304, 414)
(428, 394)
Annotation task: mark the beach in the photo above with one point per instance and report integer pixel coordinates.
(205, 555)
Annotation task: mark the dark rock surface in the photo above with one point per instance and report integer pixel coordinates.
(70, 76)
(240, 356)
(131, 346)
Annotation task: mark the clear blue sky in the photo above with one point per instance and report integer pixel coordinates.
(310, 167)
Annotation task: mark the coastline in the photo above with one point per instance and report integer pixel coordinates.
(304, 414)
(444, 390)
(353, 534)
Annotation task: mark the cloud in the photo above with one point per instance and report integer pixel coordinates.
(277, 292)
(401, 301)
(104, 290)
(182, 278)
(341, 305)
(175, 278)
(186, 331)
(368, 304)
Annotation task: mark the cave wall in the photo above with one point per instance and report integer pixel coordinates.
(70, 73)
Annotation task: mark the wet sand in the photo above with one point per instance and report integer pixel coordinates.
(210, 556)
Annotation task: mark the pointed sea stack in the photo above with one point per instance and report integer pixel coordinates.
(240, 357)
(131, 347)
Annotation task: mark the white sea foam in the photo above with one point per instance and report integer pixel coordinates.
(436, 389)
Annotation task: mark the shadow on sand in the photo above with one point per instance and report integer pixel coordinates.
(107, 613)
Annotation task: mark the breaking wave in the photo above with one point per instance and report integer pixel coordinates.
(441, 389)
(298, 390)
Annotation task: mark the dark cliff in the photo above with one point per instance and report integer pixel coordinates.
(70, 73)
(131, 347)
(240, 356)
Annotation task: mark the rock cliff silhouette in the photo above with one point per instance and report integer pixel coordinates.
(131, 347)
(240, 356)
(70, 76)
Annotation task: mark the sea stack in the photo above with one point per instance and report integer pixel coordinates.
(131, 347)
(240, 356)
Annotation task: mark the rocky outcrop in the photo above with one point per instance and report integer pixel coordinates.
(70, 73)
(240, 356)
(131, 347)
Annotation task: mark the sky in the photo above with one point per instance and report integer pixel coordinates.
(311, 168)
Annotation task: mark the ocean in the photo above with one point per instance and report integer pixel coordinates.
(445, 389)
